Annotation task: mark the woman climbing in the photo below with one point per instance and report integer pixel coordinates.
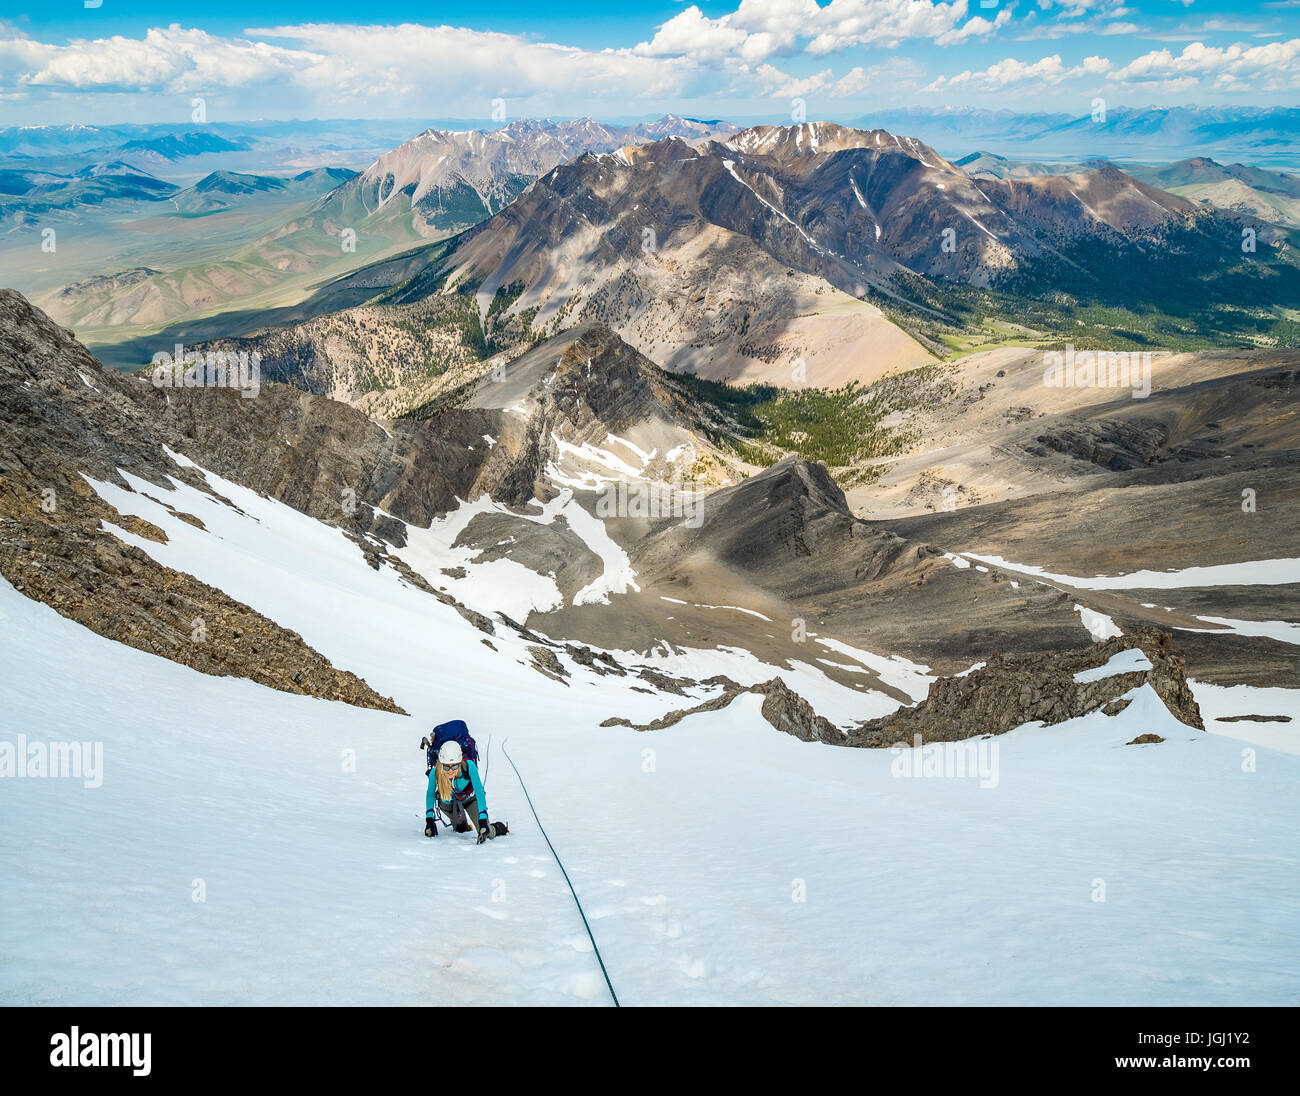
(455, 786)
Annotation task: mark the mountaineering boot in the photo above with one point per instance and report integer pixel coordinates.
(488, 830)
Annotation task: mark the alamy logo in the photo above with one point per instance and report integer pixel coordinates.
(213, 369)
(82, 761)
(76, 1048)
(970, 758)
(643, 499)
(1099, 369)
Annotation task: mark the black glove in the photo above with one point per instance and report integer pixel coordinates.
(484, 829)
(430, 826)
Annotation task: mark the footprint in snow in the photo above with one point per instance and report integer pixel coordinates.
(670, 929)
(586, 986)
(693, 968)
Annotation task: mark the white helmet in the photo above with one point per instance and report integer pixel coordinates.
(450, 753)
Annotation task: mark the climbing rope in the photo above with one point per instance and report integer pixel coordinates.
(581, 911)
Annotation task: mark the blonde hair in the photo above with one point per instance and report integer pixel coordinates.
(444, 783)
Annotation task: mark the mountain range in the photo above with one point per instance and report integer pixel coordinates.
(1265, 135)
(439, 182)
(786, 255)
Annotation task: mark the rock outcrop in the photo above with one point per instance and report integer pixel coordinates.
(1012, 690)
(787, 711)
(63, 417)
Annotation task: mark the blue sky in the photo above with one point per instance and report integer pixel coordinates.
(145, 60)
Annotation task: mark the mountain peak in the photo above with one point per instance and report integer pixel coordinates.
(808, 139)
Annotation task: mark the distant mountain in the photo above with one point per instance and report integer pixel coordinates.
(24, 195)
(739, 259)
(1269, 196)
(672, 125)
(28, 195)
(1201, 170)
(222, 189)
(177, 146)
(699, 255)
(989, 165)
(23, 182)
(112, 167)
(264, 147)
(1265, 135)
(28, 141)
(321, 178)
(232, 182)
(944, 126)
(447, 180)
(146, 295)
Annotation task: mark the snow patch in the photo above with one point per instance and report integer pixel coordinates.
(1122, 662)
(1099, 625)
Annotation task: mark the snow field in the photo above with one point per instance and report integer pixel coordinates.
(719, 861)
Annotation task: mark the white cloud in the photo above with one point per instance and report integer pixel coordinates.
(172, 59)
(1047, 70)
(388, 70)
(1197, 59)
(1271, 67)
(979, 27)
(1005, 72)
(338, 62)
(760, 29)
(783, 86)
(690, 34)
(891, 76)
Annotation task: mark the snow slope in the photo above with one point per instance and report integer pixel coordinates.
(689, 847)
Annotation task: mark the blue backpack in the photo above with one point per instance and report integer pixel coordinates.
(452, 731)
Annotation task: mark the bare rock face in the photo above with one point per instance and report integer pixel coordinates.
(1114, 444)
(787, 711)
(788, 526)
(62, 416)
(547, 663)
(579, 386)
(1012, 690)
(782, 707)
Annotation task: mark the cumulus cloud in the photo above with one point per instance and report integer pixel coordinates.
(783, 86)
(690, 34)
(691, 57)
(761, 29)
(339, 62)
(1274, 59)
(1003, 73)
(1274, 66)
(165, 59)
